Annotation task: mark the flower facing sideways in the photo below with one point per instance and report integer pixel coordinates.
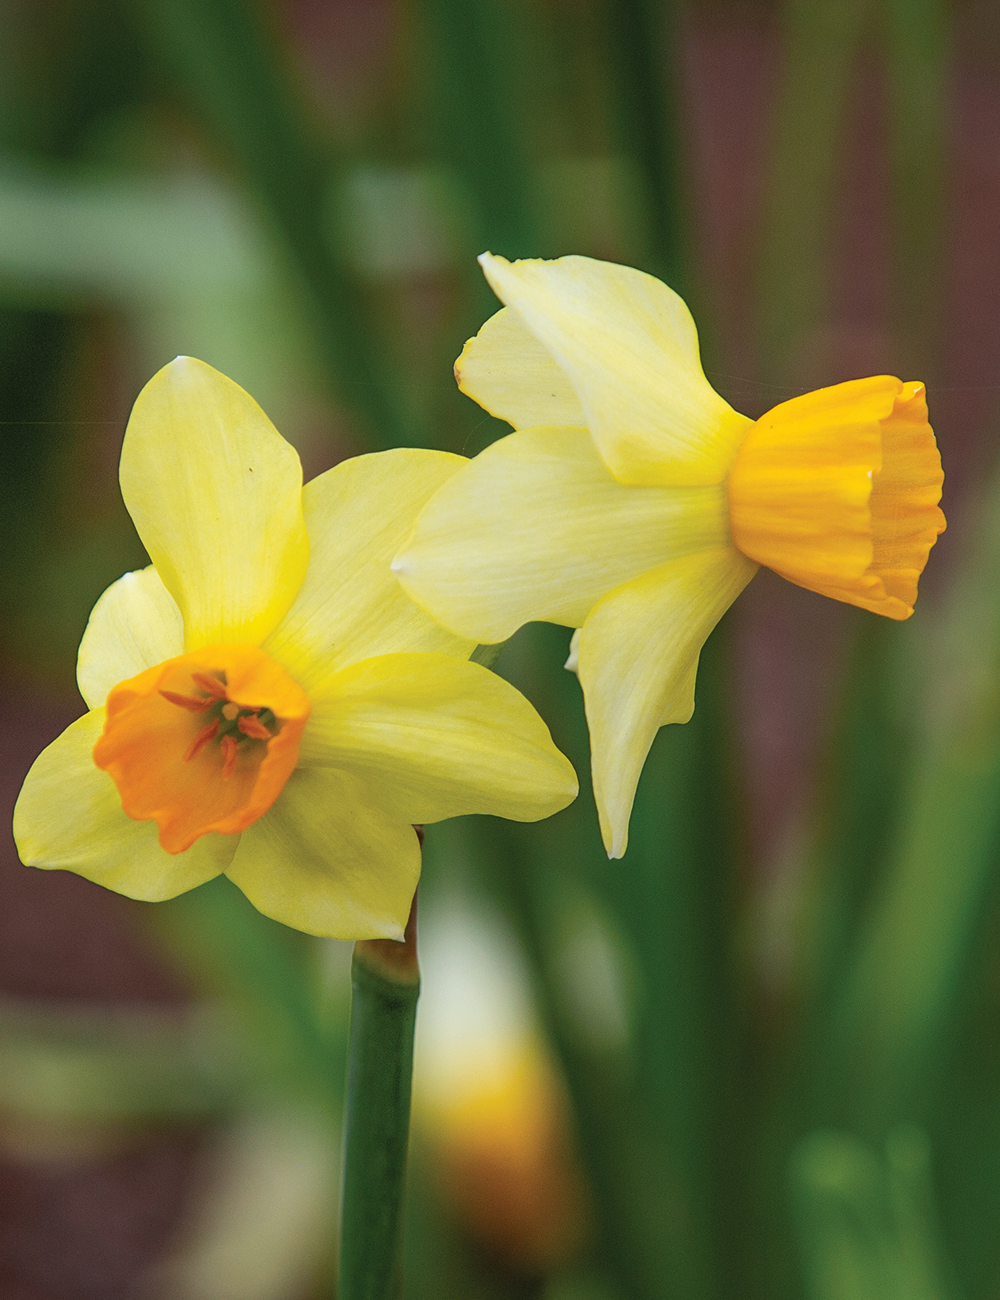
(264, 699)
(633, 503)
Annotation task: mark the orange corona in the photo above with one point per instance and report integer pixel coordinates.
(204, 742)
(838, 491)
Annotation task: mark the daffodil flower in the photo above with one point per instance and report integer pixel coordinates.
(264, 698)
(634, 503)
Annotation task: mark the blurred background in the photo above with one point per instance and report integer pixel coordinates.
(757, 1058)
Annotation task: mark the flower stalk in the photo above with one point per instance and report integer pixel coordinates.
(385, 983)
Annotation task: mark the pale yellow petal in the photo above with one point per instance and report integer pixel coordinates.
(330, 860)
(506, 370)
(638, 659)
(439, 737)
(536, 527)
(134, 626)
(350, 606)
(216, 495)
(69, 817)
(629, 347)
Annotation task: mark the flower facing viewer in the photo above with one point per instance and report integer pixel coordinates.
(264, 699)
(634, 503)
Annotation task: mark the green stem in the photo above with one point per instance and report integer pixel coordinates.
(385, 979)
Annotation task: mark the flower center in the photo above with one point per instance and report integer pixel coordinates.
(204, 742)
(223, 719)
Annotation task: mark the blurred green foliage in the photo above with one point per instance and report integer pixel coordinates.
(174, 178)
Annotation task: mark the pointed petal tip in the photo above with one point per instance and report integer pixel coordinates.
(570, 791)
(494, 267)
(182, 369)
(615, 840)
(565, 785)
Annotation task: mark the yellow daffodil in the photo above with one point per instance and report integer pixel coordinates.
(635, 504)
(264, 698)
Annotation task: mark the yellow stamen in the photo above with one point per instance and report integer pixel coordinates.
(838, 491)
